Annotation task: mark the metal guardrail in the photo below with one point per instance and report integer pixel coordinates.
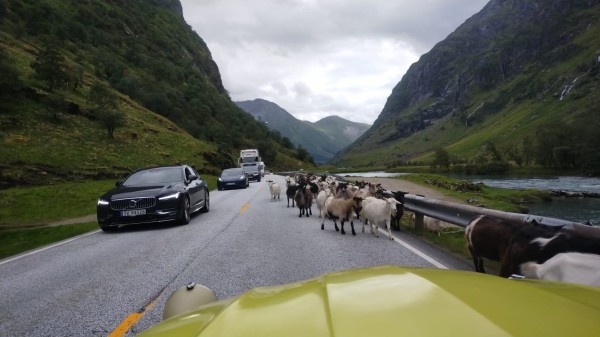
(462, 215)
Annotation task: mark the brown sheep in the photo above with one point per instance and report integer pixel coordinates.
(488, 237)
(342, 209)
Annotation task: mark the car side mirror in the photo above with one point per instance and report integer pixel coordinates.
(118, 183)
(192, 177)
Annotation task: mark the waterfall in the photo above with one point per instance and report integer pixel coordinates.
(567, 89)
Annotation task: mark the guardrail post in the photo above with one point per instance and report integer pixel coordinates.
(419, 217)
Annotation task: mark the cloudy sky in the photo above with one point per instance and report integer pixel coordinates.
(316, 58)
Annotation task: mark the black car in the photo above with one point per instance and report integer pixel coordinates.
(253, 171)
(150, 195)
(233, 178)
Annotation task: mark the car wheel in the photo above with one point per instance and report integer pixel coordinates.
(247, 183)
(185, 211)
(206, 207)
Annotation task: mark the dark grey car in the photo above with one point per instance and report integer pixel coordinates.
(156, 194)
(232, 178)
(253, 171)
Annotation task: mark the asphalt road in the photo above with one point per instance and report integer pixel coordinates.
(116, 284)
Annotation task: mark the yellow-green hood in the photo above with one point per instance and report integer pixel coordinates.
(397, 301)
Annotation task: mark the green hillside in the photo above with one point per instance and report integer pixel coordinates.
(519, 77)
(95, 89)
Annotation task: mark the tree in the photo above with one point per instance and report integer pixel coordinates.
(489, 153)
(106, 108)
(111, 119)
(528, 150)
(49, 67)
(302, 153)
(511, 152)
(287, 143)
(442, 158)
(102, 97)
(9, 81)
(267, 151)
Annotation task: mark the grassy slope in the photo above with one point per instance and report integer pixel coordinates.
(74, 142)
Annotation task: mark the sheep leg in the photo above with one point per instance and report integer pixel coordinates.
(477, 261)
(336, 226)
(480, 265)
(343, 231)
(389, 225)
(352, 225)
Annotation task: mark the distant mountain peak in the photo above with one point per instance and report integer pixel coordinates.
(322, 139)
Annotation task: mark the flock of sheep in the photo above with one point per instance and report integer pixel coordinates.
(337, 200)
(534, 251)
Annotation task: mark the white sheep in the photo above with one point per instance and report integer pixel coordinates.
(274, 189)
(365, 202)
(570, 267)
(289, 181)
(378, 212)
(321, 198)
(435, 225)
(323, 185)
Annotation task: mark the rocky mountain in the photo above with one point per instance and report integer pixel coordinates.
(523, 75)
(322, 139)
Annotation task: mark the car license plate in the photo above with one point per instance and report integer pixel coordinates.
(230, 183)
(133, 212)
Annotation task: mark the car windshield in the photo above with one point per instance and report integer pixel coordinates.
(250, 167)
(155, 176)
(232, 172)
(249, 159)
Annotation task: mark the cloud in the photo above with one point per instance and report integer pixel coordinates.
(317, 58)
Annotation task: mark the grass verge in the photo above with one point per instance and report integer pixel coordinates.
(16, 241)
(24, 207)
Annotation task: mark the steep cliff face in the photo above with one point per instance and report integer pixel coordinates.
(509, 52)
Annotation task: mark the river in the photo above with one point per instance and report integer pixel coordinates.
(572, 209)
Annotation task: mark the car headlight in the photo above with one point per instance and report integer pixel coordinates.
(242, 178)
(219, 179)
(102, 202)
(170, 196)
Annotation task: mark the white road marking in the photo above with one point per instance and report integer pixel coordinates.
(47, 247)
(415, 250)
